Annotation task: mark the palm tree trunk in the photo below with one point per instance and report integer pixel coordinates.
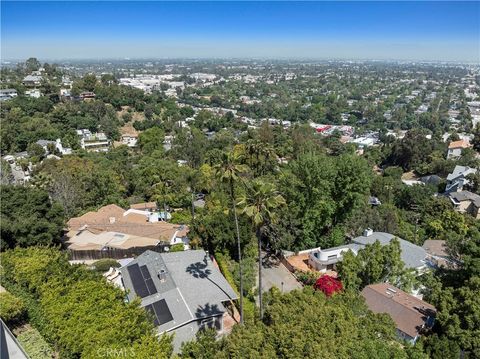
(260, 274)
(239, 248)
(260, 302)
(193, 209)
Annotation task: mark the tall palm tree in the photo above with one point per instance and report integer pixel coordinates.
(258, 204)
(229, 171)
(258, 155)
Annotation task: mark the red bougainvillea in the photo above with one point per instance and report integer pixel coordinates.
(328, 285)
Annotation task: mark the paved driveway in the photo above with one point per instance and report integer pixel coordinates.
(275, 274)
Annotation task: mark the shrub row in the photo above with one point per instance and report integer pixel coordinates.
(76, 310)
(248, 305)
(34, 344)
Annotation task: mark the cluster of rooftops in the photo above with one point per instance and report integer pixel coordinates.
(184, 291)
(114, 227)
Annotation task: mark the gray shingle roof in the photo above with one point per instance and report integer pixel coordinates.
(412, 255)
(460, 171)
(193, 287)
(466, 196)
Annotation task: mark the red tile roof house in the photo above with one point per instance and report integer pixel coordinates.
(455, 148)
(112, 227)
(410, 314)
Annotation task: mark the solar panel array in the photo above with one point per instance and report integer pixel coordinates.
(160, 312)
(141, 280)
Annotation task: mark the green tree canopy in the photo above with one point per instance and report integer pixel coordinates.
(29, 218)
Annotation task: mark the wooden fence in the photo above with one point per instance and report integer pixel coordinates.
(114, 253)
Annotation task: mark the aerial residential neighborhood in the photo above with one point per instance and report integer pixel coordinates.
(203, 180)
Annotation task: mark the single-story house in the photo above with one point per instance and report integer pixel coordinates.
(455, 148)
(113, 227)
(323, 260)
(410, 314)
(184, 292)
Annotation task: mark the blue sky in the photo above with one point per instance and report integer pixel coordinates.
(355, 30)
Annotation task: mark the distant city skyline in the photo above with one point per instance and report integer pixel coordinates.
(416, 31)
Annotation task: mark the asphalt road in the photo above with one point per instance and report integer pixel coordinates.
(275, 274)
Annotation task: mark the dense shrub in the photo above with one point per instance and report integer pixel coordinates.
(248, 305)
(103, 265)
(11, 307)
(179, 247)
(306, 278)
(328, 285)
(76, 310)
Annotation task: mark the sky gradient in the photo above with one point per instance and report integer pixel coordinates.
(444, 31)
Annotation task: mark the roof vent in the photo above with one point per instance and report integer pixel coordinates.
(390, 291)
(368, 232)
(162, 275)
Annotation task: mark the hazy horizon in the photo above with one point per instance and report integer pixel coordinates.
(385, 31)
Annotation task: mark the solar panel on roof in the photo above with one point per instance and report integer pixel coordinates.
(162, 311)
(145, 272)
(137, 280)
(151, 286)
(150, 309)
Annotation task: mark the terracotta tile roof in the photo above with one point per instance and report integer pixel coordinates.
(86, 240)
(459, 144)
(409, 313)
(102, 216)
(113, 218)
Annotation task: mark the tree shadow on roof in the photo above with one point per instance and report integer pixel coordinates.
(201, 270)
(208, 310)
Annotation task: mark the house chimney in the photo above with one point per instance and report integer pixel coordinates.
(162, 275)
(368, 232)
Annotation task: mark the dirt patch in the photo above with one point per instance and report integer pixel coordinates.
(409, 176)
(128, 130)
(136, 116)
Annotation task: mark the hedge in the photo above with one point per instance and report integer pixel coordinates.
(103, 265)
(179, 247)
(12, 308)
(35, 345)
(76, 310)
(249, 309)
